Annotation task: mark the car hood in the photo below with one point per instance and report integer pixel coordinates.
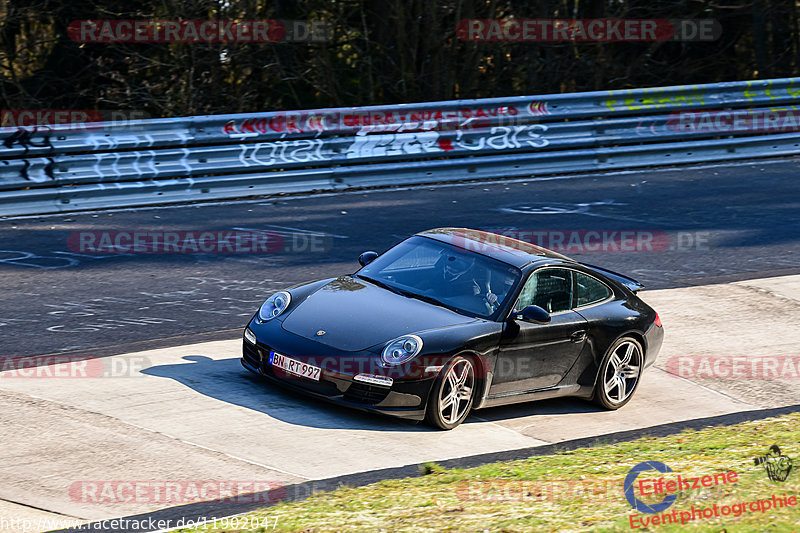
(355, 315)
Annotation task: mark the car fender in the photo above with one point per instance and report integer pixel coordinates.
(635, 334)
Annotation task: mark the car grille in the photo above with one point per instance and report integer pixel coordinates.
(364, 393)
(250, 353)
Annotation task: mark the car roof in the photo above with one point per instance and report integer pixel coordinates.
(503, 248)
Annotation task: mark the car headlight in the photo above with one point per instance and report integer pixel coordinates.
(401, 350)
(250, 336)
(274, 306)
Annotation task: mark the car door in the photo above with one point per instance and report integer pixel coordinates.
(537, 356)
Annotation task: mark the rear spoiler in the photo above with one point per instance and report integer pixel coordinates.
(630, 283)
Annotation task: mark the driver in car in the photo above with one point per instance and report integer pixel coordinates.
(461, 276)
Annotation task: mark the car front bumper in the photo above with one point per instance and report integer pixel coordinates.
(405, 398)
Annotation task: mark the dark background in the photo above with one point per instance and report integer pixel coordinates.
(380, 52)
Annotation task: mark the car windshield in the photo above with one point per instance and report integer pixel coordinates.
(445, 275)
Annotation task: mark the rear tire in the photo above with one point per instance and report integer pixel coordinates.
(452, 395)
(619, 374)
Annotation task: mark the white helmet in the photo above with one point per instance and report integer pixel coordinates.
(455, 266)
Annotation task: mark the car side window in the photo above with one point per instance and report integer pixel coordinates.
(589, 290)
(549, 288)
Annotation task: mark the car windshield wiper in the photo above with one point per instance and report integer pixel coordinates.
(382, 285)
(409, 294)
(430, 300)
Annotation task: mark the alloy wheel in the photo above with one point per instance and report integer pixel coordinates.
(622, 371)
(456, 392)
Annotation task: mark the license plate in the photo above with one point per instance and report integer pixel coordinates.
(293, 366)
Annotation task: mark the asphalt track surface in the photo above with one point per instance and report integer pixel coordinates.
(724, 222)
(723, 284)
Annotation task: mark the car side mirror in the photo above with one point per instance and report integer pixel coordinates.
(367, 258)
(535, 314)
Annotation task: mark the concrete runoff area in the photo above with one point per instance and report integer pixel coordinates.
(192, 413)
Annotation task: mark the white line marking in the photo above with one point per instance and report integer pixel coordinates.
(292, 230)
(671, 375)
(516, 433)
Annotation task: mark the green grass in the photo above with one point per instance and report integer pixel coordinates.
(533, 495)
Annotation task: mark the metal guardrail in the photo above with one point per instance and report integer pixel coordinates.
(57, 168)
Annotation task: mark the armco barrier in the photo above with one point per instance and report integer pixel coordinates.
(49, 169)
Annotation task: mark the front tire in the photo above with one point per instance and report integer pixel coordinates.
(619, 375)
(452, 394)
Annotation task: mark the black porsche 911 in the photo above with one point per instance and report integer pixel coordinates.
(451, 320)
